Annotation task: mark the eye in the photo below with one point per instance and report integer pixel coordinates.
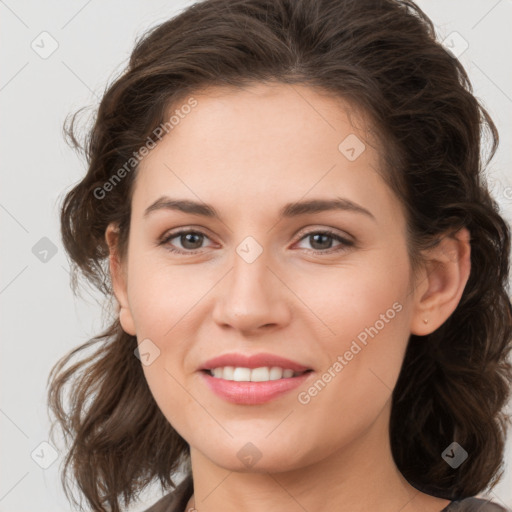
(189, 239)
(323, 241)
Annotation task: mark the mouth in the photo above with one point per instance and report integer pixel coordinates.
(254, 386)
(260, 374)
(263, 365)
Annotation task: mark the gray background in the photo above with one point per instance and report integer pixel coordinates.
(41, 319)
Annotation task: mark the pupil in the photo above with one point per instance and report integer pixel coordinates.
(326, 237)
(187, 240)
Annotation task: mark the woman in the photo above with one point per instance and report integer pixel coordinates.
(285, 199)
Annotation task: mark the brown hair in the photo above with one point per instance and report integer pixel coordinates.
(382, 56)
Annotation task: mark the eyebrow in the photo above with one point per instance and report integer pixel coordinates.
(289, 210)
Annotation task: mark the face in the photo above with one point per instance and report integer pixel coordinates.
(327, 289)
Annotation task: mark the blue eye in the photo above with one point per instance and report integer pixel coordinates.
(191, 241)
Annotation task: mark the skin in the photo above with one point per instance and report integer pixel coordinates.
(247, 152)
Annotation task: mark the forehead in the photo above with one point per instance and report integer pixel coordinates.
(268, 116)
(264, 144)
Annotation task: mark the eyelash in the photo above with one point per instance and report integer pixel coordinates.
(345, 243)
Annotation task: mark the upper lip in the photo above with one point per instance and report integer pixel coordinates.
(252, 361)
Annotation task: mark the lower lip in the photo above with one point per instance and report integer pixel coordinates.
(252, 393)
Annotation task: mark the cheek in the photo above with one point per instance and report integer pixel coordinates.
(364, 360)
(162, 294)
(165, 302)
(362, 327)
(361, 294)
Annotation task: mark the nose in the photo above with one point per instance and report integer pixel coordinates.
(252, 298)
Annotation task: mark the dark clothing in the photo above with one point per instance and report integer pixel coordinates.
(177, 500)
(474, 505)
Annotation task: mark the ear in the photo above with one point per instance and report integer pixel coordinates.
(118, 275)
(439, 287)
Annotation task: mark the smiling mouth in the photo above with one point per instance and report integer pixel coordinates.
(262, 374)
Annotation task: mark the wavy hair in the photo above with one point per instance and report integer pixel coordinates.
(381, 56)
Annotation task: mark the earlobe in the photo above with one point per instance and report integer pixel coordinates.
(119, 280)
(440, 288)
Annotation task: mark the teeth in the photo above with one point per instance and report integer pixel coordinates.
(262, 374)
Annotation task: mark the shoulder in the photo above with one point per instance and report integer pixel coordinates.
(475, 505)
(176, 500)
